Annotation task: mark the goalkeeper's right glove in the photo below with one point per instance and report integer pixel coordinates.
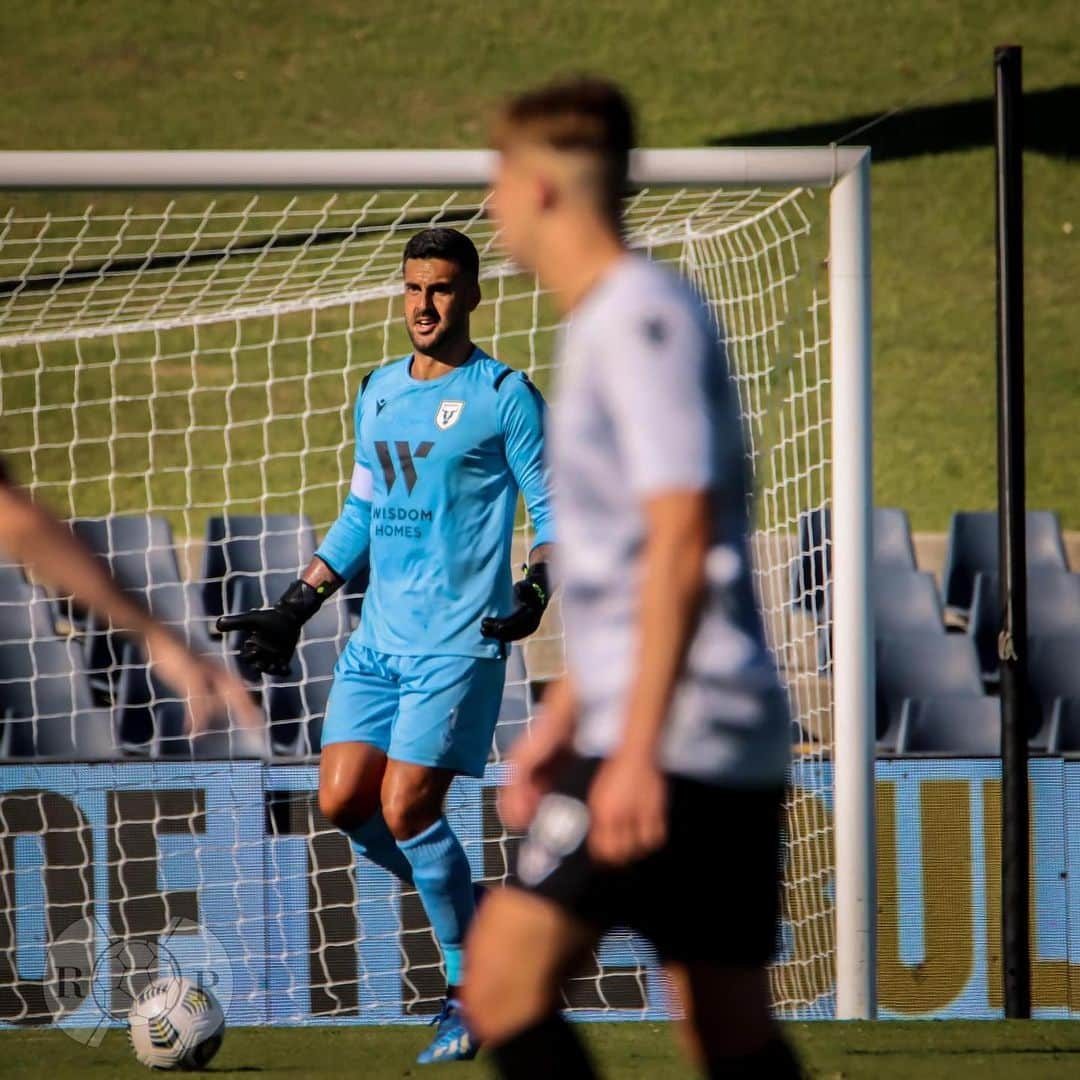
(271, 633)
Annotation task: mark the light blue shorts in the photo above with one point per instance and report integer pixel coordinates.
(426, 710)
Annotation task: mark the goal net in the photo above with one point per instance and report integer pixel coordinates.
(177, 377)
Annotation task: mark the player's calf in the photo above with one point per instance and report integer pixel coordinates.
(519, 950)
(727, 1027)
(548, 1048)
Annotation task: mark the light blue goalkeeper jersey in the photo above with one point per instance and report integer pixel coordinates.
(439, 464)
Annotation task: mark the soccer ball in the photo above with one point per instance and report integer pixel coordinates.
(175, 1024)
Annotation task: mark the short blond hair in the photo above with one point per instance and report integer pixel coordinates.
(583, 116)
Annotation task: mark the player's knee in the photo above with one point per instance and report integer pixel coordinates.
(345, 810)
(406, 815)
(499, 1005)
(504, 992)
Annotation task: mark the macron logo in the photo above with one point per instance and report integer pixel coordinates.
(379, 405)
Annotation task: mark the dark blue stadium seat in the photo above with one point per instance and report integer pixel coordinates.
(140, 553)
(25, 611)
(152, 721)
(921, 666)
(811, 569)
(973, 549)
(812, 566)
(1053, 671)
(241, 546)
(1064, 737)
(47, 704)
(138, 548)
(893, 547)
(905, 602)
(12, 577)
(1053, 609)
(957, 726)
(1053, 598)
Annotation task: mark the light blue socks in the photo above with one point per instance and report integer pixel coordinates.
(374, 841)
(443, 878)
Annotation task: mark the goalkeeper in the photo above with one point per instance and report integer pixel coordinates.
(445, 439)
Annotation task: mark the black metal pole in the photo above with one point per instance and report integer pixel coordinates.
(1013, 640)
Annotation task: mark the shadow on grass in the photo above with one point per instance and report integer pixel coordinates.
(961, 1051)
(1050, 127)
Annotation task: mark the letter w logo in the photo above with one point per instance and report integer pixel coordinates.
(406, 456)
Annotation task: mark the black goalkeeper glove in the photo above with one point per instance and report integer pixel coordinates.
(271, 633)
(531, 596)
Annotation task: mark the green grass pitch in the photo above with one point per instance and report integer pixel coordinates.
(831, 1051)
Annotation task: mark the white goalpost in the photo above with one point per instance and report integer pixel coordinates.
(182, 336)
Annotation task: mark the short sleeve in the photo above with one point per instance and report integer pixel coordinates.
(665, 382)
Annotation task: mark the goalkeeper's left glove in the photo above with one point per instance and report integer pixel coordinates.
(531, 596)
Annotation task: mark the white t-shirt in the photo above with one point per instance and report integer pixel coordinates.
(644, 405)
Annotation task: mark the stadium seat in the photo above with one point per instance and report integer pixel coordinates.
(11, 577)
(973, 549)
(893, 547)
(48, 706)
(152, 721)
(140, 552)
(905, 602)
(921, 666)
(1053, 606)
(139, 549)
(984, 624)
(811, 570)
(812, 566)
(958, 726)
(239, 546)
(25, 611)
(1053, 671)
(1053, 601)
(1064, 737)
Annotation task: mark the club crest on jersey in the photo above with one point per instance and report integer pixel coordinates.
(448, 413)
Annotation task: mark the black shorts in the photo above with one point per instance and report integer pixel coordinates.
(711, 894)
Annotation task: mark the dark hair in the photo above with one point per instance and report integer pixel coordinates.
(443, 243)
(584, 115)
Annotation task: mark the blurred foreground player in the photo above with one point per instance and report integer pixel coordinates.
(446, 437)
(31, 536)
(652, 785)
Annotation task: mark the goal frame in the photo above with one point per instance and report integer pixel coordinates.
(845, 172)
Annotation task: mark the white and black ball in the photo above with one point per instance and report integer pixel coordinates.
(175, 1024)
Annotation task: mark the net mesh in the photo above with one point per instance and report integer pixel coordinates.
(177, 375)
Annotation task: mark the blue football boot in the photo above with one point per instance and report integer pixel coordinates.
(452, 1040)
